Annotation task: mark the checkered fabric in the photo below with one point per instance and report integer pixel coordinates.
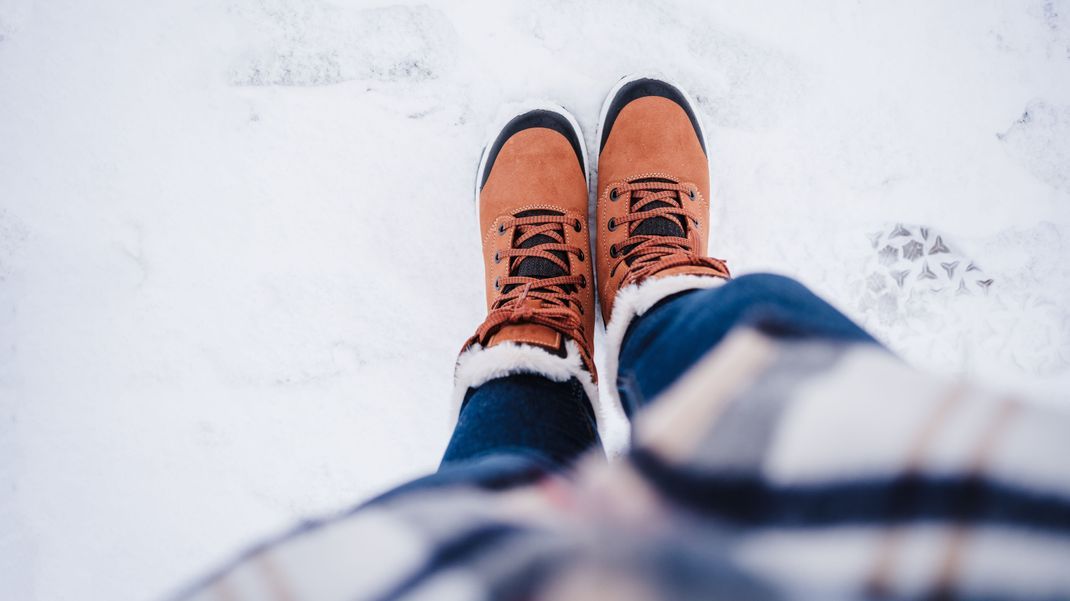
(770, 470)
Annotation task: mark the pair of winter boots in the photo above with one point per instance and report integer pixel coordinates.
(651, 230)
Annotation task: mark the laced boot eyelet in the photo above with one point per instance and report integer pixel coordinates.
(578, 226)
(614, 194)
(580, 256)
(501, 229)
(612, 225)
(691, 194)
(497, 283)
(613, 251)
(583, 282)
(497, 257)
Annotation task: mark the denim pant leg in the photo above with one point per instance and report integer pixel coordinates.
(670, 337)
(526, 415)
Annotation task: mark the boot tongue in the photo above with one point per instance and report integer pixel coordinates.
(670, 225)
(537, 267)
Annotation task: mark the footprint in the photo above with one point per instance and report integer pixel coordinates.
(1039, 140)
(911, 260)
(938, 305)
(313, 43)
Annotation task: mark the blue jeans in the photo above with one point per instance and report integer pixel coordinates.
(553, 422)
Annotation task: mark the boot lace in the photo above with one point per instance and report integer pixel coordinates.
(643, 255)
(559, 308)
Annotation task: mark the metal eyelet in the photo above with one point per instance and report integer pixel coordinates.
(501, 229)
(691, 194)
(612, 225)
(580, 256)
(579, 225)
(614, 194)
(613, 251)
(497, 283)
(583, 282)
(497, 257)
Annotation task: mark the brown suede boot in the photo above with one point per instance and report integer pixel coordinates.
(653, 189)
(532, 201)
(653, 204)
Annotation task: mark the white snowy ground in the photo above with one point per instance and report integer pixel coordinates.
(208, 331)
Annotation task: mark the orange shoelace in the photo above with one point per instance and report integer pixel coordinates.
(560, 309)
(644, 255)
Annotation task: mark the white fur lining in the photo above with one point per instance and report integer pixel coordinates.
(478, 365)
(632, 302)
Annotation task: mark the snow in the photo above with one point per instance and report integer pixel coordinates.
(238, 254)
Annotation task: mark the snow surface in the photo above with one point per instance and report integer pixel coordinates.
(208, 329)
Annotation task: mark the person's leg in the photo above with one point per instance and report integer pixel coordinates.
(527, 415)
(524, 382)
(664, 300)
(671, 336)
